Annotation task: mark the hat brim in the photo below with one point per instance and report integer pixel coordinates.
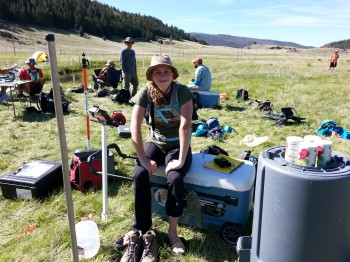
(129, 42)
(253, 141)
(150, 69)
(28, 62)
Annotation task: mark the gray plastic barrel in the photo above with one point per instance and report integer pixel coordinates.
(301, 213)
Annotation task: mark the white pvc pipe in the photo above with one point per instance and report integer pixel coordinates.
(50, 38)
(104, 172)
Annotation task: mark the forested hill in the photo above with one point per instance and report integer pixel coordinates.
(344, 44)
(88, 16)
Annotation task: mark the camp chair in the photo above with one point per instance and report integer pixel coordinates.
(33, 90)
(287, 113)
(114, 78)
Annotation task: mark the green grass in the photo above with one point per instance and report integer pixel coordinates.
(298, 80)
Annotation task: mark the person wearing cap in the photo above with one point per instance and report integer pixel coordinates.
(102, 79)
(202, 76)
(168, 105)
(333, 60)
(30, 73)
(128, 65)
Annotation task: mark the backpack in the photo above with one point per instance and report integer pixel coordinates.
(122, 96)
(243, 94)
(46, 103)
(212, 123)
(213, 150)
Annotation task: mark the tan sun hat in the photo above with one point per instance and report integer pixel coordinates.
(129, 40)
(253, 141)
(159, 59)
(110, 63)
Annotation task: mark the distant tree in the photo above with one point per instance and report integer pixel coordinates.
(81, 31)
(87, 16)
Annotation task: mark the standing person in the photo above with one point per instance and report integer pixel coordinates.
(202, 76)
(30, 73)
(333, 60)
(169, 144)
(128, 65)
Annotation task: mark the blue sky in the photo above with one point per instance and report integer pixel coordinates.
(307, 22)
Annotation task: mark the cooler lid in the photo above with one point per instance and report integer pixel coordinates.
(32, 172)
(241, 179)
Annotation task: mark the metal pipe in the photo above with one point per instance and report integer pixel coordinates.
(50, 38)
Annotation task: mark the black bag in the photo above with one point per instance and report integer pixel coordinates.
(122, 96)
(102, 92)
(46, 103)
(213, 150)
(243, 94)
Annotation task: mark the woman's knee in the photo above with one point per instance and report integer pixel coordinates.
(140, 175)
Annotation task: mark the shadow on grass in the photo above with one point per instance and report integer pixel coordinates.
(235, 108)
(30, 115)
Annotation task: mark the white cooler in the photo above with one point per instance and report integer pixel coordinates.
(222, 200)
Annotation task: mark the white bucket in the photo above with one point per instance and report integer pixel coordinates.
(324, 152)
(307, 154)
(88, 238)
(292, 148)
(312, 138)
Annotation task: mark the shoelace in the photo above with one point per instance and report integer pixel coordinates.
(131, 251)
(148, 249)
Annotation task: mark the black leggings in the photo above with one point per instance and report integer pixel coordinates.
(142, 186)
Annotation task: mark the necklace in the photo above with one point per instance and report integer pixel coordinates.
(167, 90)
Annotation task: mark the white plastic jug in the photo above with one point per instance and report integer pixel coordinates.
(88, 238)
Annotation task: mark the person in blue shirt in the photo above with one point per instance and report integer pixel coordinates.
(202, 76)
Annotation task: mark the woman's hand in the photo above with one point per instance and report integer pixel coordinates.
(150, 165)
(173, 165)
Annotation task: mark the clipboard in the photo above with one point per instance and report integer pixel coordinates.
(235, 163)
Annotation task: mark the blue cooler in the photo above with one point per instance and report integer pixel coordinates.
(208, 99)
(211, 197)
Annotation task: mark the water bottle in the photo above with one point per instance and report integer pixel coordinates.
(88, 238)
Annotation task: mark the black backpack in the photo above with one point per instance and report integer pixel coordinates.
(46, 103)
(243, 94)
(122, 96)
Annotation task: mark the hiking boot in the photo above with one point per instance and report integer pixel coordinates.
(150, 247)
(134, 249)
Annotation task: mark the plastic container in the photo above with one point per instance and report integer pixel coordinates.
(292, 148)
(208, 99)
(300, 213)
(88, 238)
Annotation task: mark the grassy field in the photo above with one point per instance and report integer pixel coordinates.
(289, 79)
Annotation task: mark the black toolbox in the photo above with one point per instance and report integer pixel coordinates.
(35, 179)
(124, 131)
